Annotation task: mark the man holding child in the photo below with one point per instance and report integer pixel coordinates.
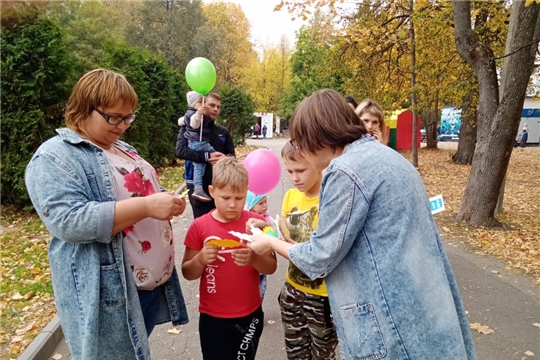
(219, 138)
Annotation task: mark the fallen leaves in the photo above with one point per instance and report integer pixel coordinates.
(482, 329)
(26, 297)
(25, 329)
(174, 331)
(529, 353)
(517, 242)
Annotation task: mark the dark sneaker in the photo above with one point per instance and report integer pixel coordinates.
(201, 195)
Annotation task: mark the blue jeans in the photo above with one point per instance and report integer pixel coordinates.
(263, 281)
(199, 168)
(150, 301)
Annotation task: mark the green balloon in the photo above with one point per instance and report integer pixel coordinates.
(201, 75)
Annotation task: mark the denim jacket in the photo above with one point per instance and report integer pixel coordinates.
(391, 289)
(72, 188)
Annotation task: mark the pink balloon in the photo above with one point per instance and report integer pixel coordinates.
(264, 171)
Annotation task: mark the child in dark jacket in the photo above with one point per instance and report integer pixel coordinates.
(197, 133)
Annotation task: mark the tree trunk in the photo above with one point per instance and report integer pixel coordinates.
(497, 123)
(431, 133)
(431, 124)
(467, 133)
(413, 92)
(507, 50)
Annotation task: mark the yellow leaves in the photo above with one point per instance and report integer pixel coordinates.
(422, 3)
(482, 329)
(30, 295)
(530, 2)
(230, 20)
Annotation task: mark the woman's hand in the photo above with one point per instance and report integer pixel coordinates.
(262, 244)
(289, 240)
(164, 205)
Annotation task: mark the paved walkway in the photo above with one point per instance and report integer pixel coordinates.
(507, 303)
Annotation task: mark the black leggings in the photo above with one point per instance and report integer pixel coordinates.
(230, 339)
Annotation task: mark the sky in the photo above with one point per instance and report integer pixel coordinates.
(266, 24)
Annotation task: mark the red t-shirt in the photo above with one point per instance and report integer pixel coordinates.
(226, 290)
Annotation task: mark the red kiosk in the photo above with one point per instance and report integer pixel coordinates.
(404, 131)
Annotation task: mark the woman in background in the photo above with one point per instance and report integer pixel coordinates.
(372, 115)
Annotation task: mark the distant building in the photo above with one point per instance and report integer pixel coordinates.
(531, 116)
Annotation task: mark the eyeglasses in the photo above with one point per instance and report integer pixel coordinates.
(293, 144)
(115, 120)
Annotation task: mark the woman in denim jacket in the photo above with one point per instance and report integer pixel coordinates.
(112, 251)
(391, 289)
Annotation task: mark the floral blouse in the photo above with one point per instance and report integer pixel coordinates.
(149, 242)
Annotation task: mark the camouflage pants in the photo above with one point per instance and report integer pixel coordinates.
(307, 322)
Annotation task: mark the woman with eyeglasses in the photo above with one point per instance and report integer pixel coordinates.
(112, 249)
(391, 289)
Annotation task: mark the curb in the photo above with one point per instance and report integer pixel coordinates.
(43, 346)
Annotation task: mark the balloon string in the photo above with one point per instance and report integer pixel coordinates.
(202, 121)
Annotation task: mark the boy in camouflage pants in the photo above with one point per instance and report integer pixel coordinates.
(305, 311)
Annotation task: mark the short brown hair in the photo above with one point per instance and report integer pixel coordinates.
(231, 172)
(290, 153)
(97, 88)
(324, 119)
(368, 106)
(213, 95)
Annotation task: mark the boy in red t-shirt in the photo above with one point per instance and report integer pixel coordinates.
(231, 319)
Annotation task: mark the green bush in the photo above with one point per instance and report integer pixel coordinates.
(237, 110)
(35, 85)
(161, 91)
(37, 79)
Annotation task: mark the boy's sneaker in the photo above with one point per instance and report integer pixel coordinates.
(200, 195)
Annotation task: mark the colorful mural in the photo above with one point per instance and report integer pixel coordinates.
(450, 121)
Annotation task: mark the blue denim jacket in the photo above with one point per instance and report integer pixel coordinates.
(391, 289)
(72, 188)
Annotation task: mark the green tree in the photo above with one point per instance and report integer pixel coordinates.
(237, 112)
(35, 72)
(310, 63)
(168, 28)
(88, 25)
